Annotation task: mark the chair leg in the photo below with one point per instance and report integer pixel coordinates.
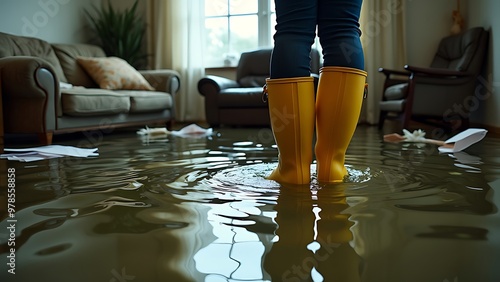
(170, 124)
(406, 117)
(381, 119)
(45, 138)
(465, 123)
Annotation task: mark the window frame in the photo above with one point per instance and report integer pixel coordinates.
(265, 31)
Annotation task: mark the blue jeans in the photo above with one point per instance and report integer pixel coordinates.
(338, 31)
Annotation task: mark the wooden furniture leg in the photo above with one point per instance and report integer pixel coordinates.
(45, 138)
(2, 141)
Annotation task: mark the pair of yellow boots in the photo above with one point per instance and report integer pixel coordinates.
(294, 109)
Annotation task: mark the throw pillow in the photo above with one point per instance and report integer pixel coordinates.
(114, 73)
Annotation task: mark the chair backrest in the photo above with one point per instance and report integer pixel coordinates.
(462, 52)
(253, 67)
(16, 45)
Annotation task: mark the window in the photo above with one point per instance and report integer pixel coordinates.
(236, 26)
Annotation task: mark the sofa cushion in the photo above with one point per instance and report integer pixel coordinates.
(79, 101)
(68, 53)
(114, 73)
(253, 81)
(396, 92)
(147, 101)
(392, 106)
(15, 45)
(254, 63)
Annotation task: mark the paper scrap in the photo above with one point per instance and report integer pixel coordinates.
(47, 152)
(191, 130)
(153, 132)
(416, 136)
(463, 140)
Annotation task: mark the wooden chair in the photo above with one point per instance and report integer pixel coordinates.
(438, 94)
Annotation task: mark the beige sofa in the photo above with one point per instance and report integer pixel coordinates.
(33, 73)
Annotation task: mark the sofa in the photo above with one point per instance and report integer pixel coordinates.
(239, 102)
(49, 89)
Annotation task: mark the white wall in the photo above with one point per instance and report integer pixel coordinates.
(427, 21)
(485, 13)
(56, 21)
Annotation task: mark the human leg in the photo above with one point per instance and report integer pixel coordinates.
(295, 32)
(290, 90)
(341, 85)
(339, 33)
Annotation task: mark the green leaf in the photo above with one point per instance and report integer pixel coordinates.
(121, 33)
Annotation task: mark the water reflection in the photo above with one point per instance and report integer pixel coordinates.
(313, 237)
(201, 210)
(236, 253)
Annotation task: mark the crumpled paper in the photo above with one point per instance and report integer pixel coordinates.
(417, 135)
(191, 130)
(47, 152)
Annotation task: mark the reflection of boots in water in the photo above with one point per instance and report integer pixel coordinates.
(313, 239)
(295, 220)
(339, 260)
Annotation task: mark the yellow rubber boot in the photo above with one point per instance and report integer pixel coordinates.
(338, 105)
(291, 108)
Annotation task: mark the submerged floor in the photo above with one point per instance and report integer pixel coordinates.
(199, 209)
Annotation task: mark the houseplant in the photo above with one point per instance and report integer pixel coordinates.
(121, 33)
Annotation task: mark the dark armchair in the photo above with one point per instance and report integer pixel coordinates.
(239, 102)
(438, 94)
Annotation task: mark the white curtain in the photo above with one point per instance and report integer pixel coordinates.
(175, 37)
(383, 26)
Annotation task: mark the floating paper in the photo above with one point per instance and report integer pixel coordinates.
(47, 152)
(463, 140)
(191, 130)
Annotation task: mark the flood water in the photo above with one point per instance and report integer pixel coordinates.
(200, 209)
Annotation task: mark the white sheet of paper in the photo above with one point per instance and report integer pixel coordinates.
(464, 139)
(47, 152)
(59, 150)
(29, 157)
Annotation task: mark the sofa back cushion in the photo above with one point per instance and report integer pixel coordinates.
(15, 45)
(457, 52)
(253, 68)
(68, 54)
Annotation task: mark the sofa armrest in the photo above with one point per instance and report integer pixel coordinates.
(388, 72)
(394, 77)
(212, 85)
(435, 72)
(437, 76)
(30, 93)
(163, 80)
